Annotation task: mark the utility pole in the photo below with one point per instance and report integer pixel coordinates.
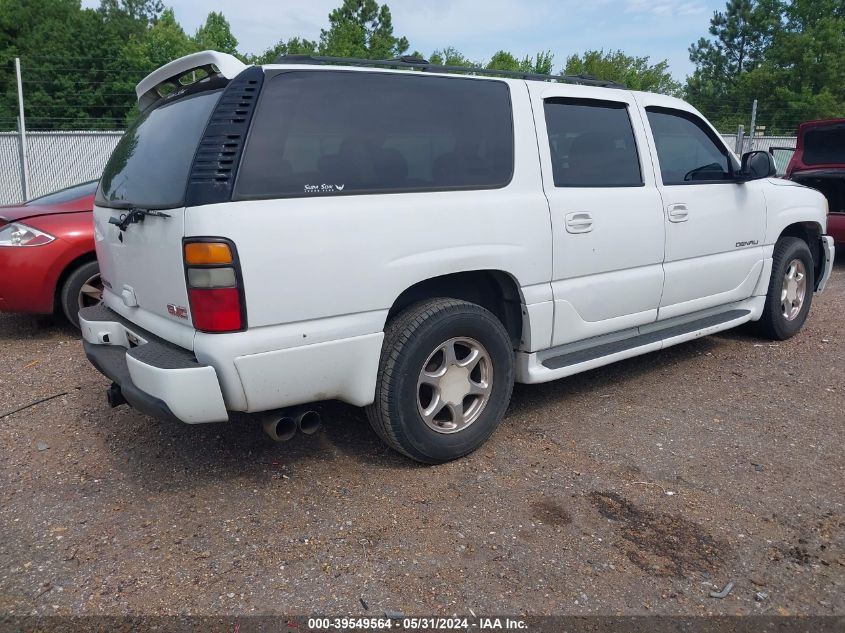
(753, 131)
(22, 134)
(740, 140)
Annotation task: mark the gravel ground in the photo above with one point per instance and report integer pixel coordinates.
(632, 489)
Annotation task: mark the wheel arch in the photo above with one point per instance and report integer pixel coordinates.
(496, 290)
(79, 260)
(810, 232)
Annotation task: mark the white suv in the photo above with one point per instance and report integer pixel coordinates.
(413, 239)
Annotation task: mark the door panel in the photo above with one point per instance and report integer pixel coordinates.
(703, 253)
(607, 220)
(715, 227)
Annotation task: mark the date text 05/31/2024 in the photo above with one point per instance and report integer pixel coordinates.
(413, 624)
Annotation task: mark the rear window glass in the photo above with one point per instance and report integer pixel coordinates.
(825, 145)
(150, 165)
(592, 144)
(67, 195)
(336, 133)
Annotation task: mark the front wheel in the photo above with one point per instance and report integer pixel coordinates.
(81, 289)
(790, 290)
(445, 380)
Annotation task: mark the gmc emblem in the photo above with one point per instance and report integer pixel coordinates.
(177, 311)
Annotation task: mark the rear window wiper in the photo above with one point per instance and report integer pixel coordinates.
(134, 215)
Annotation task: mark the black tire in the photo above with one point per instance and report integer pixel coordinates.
(69, 296)
(410, 339)
(773, 324)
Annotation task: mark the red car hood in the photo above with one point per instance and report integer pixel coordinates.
(29, 210)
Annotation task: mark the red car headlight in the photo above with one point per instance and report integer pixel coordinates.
(16, 234)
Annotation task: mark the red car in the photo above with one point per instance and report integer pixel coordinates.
(819, 162)
(47, 260)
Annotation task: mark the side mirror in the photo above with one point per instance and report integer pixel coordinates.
(756, 165)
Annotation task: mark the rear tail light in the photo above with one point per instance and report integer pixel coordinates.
(215, 289)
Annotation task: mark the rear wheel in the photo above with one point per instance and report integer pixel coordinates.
(790, 290)
(445, 380)
(82, 288)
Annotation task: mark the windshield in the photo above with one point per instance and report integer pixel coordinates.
(67, 195)
(149, 167)
(825, 145)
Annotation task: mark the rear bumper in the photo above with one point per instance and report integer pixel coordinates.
(154, 376)
(829, 250)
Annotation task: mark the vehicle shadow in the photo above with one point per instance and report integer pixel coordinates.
(159, 455)
(528, 399)
(34, 327)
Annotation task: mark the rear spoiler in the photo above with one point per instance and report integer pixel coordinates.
(211, 63)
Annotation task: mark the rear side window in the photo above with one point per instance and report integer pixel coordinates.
(336, 133)
(150, 165)
(592, 144)
(686, 149)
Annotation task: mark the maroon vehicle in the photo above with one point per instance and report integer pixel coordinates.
(819, 162)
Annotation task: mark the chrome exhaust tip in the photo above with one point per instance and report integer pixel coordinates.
(280, 428)
(308, 422)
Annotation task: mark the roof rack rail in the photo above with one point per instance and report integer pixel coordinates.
(421, 64)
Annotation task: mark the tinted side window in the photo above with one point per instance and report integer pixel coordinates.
(592, 144)
(149, 166)
(686, 149)
(334, 133)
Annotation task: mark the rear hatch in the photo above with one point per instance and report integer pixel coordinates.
(819, 160)
(821, 145)
(144, 185)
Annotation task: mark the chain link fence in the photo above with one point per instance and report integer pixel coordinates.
(56, 160)
(61, 159)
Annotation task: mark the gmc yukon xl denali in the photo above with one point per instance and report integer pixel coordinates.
(413, 239)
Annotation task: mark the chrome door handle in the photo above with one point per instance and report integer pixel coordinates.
(579, 222)
(678, 212)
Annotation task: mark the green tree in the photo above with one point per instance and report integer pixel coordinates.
(145, 11)
(637, 73)
(739, 38)
(163, 42)
(70, 60)
(541, 63)
(451, 56)
(789, 56)
(216, 35)
(292, 46)
(361, 28)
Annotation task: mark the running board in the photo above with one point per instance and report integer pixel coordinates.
(548, 365)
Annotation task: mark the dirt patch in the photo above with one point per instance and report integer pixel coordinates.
(821, 543)
(666, 545)
(550, 513)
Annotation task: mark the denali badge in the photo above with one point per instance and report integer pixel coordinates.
(749, 243)
(177, 311)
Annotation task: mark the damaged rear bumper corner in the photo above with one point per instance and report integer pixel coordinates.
(154, 376)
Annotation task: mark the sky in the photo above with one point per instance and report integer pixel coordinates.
(660, 29)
